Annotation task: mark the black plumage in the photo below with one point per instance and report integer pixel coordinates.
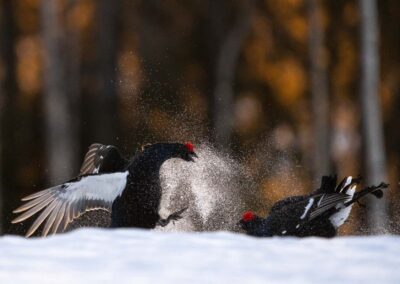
(130, 189)
(138, 206)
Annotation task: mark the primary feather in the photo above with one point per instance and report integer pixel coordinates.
(69, 200)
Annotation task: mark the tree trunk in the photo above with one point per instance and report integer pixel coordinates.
(73, 77)
(9, 92)
(105, 124)
(2, 96)
(60, 133)
(375, 161)
(1, 156)
(227, 60)
(319, 92)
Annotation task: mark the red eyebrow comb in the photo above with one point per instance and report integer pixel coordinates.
(189, 146)
(248, 216)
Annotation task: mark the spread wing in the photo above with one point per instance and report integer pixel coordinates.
(323, 199)
(63, 203)
(325, 202)
(342, 194)
(102, 159)
(327, 188)
(295, 216)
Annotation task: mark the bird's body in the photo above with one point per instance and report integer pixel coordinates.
(138, 206)
(320, 213)
(130, 189)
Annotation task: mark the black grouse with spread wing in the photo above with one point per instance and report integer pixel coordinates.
(320, 213)
(130, 189)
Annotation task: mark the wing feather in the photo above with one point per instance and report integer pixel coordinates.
(33, 210)
(52, 217)
(67, 201)
(59, 218)
(67, 216)
(88, 164)
(33, 203)
(36, 195)
(41, 218)
(329, 202)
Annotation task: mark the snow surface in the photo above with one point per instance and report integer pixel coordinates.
(138, 256)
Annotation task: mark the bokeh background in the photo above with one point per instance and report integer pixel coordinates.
(290, 89)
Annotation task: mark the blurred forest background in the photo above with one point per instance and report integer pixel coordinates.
(292, 89)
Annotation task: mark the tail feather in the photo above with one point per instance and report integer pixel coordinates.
(347, 183)
(374, 190)
(328, 184)
(347, 187)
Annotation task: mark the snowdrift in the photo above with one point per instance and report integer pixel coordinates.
(137, 256)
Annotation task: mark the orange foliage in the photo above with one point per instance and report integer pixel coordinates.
(280, 186)
(287, 79)
(29, 65)
(27, 15)
(81, 16)
(248, 114)
(350, 13)
(346, 67)
(129, 73)
(297, 28)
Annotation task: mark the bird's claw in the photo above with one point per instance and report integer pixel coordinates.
(177, 215)
(173, 217)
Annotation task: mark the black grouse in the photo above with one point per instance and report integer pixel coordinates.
(130, 189)
(320, 213)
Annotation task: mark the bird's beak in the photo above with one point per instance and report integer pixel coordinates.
(193, 155)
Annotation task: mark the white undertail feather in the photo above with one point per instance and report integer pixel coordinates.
(341, 216)
(349, 179)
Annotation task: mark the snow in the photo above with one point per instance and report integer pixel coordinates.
(139, 256)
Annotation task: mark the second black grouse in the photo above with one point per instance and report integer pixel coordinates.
(320, 213)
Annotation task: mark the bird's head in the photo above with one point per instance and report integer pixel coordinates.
(165, 151)
(249, 221)
(186, 152)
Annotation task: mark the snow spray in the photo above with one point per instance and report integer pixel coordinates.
(210, 188)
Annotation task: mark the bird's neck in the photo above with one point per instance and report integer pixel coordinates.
(148, 163)
(156, 157)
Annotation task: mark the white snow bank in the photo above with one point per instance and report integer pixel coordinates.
(136, 256)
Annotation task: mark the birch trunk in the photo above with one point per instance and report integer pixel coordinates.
(106, 123)
(60, 133)
(373, 136)
(319, 92)
(227, 61)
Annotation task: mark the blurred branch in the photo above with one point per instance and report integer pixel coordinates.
(319, 91)
(373, 135)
